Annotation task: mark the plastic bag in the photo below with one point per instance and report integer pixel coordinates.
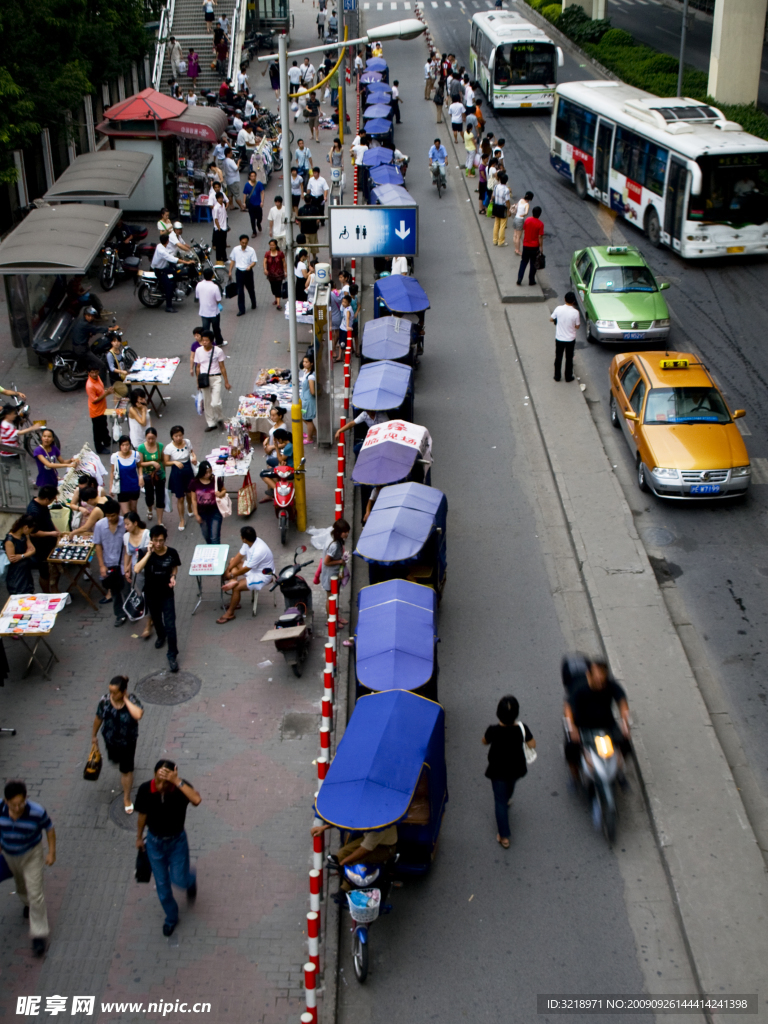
(117, 430)
(4, 563)
(199, 403)
(167, 505)
(134, 606)
(224, 505)
(320, 537)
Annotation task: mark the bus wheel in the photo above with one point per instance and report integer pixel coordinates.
(580, 181)
(652, 227)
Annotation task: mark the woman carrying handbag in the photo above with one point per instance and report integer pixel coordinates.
(118, 715)
(512, 749)
(501, 200)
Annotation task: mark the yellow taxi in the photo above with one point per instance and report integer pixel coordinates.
(678, 426)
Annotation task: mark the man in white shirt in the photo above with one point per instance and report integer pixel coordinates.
(458, 113)
(246, 142)
(400, 265)
(164, 265)
(278, 221)
(567, 322)
(216, 190)
(302, 160)
(245, 570)
(358, 63)
(242, 260)
(220, 228)
(359, 150)
(318, 189)
(232, 178)
(175, 241)
(208, 295)
(175, 55)
(249, 109)
(307, 73)
(220, 148)
(294, 76)
(209, 359)
(242, 79)
(429, 79)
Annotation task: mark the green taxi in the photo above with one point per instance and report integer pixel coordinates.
(619, 297)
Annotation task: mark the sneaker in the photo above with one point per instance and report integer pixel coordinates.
(172, 663)
(192, 891)
(168, 930)
(159, 643)
(38, 946)
(121, 621)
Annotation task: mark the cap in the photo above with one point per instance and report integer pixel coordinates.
(90, 311)
(177, 225)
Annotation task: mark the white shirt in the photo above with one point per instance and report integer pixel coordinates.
(231, 171)
(294, 75)
(212, 197)
(521, 208)
(249, 110)
(359, 152)
(428, 69)
(208, 294)
(279, 220)
(399, 265)
(307, 73)
(191, 102)
(378, 417)
(358, 63)
(246, 138)
(203, 358)
(180, 454)
(257, 556)
(237, 122)
(242, 257)
(173, 242)
(220, 216)
(162, 257)
(501, 194)
(317, 186)
(456, 110)
(568, 322)
(395, 93)
(242, 79)
(469, 96)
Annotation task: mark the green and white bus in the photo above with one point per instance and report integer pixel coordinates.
(514, 61)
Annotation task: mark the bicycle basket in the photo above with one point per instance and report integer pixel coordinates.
(364, 905)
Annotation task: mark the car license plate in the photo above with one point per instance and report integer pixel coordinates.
(735, 248)
(634, 335)
(526, 104)
(705, 489)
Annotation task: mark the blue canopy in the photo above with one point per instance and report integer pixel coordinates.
(382, 385)
(379, 126)
(386, 174)
(399, 294)
(378, 89)
(376, 157)
(390, 452)
(401, 522)
(372, 779)
(396, 635)
(389, 337)
(392, 195)
(370, 76)
(376, 64)
(374, 110)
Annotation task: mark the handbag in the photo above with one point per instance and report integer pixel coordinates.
(541, 261)
(245, 498)
(135, 606)
(224, 505)
(530, 755)
(203, 379)
(143, 867)
(284, 290)
(92, 769)
(230, 289)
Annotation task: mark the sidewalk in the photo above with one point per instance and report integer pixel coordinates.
(242, 728)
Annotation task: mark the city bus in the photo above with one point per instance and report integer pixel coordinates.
(677, 168)
(514, 61)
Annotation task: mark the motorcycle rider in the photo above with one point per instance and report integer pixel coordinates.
(84, 331)
(369, 847)
(175, 241)
(590, 693)
(164, 264)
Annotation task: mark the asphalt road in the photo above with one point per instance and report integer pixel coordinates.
(489, 929)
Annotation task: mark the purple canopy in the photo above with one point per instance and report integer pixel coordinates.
(383, 110)
(386, 174)
(370, 76)
(377, 156)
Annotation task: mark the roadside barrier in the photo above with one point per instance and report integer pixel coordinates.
(310, 991)
(313, 936)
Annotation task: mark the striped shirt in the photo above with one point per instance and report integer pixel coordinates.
(22, 835)
(9, 435)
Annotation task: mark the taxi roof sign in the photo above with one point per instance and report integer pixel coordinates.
(620, 250)
(674, 364)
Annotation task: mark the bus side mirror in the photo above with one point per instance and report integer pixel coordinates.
(560, 57)
(663, 286)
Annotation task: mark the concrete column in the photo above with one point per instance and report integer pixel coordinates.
(594, 8)
(737, 48)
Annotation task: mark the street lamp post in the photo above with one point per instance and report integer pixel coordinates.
(410, 28)
(682, 48)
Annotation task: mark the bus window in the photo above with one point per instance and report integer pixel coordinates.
(734, 189)
(630, 154)
(525, 64)
(656, 170)
(575, 125)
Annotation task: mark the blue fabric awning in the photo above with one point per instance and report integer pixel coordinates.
(378, 89)
(392, 195)
(396, 636)
(376, 110)
(387, 463)
(376, 63)
(389, 337)
(400, 294)
(379, 126)
(401, 523)
(376, 157)
(383, 385)
(388, 741)
(370, 76)
(386, 174)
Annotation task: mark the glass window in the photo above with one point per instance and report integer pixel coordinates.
(636, 401)
(629, 377)
(623, 279)
(575, 125)
(686, 405)
(45, 292)
(630, 154)
(656, 169)
(525, 64)
(734, 190)
(584, 266)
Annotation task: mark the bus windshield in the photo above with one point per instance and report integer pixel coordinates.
(686, 405)
(525, 64)
(623, 279)
(734, 190)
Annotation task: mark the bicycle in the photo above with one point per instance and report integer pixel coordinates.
(438, 179)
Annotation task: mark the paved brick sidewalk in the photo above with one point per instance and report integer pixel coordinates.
(246, 739)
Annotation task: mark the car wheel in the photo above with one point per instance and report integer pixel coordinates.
(653, 227)
(590, 336)
(641, 482)
(580, 181)
(615, 415)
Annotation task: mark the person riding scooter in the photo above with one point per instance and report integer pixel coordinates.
(84, 331)
(590, 693)
(367, 847)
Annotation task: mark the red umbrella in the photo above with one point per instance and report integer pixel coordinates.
(147, 105)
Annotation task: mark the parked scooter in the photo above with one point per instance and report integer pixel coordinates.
(297, 618)
(70, 373)
(284, 495)
(371, 884)
(115, 265)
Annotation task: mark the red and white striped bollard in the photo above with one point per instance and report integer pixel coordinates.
(313, 938)
(310, 991)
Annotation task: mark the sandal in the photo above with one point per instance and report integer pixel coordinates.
(502, 842)
(226, 618)
(128, 808)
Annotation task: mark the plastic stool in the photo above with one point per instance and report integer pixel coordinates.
(203, 212)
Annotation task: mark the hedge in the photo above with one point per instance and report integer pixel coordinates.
(642, 66)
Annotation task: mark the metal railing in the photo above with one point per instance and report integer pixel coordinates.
(15, 493)
(238, 38)
(166, 24)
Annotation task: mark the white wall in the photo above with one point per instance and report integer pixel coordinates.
(149, 194)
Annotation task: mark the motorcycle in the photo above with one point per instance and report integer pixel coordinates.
(297, 618)
(365, 902)
(114, 266)
(70, 373)
(151, 290)
(34, 438)
(284, 495)
(599, 773)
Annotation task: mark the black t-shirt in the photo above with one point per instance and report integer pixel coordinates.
(42, 516)
(308, 225)
(165, 811)
(158, 571)
(312, 107)
(592, 708)
(506, 757)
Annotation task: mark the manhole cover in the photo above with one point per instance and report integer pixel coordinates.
(296, 725)
(119, 817)
(658, 536)
(168, 688)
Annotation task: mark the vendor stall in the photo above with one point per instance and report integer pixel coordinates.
(72, 558)
(208, 560)
(151, 373)
(29, 619)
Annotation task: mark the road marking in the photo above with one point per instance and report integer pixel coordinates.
(434, 3)
(759, 471)
(393, 5)
(366, 6)
(743, 428)
(380, 7)
(447, 3)
(407, 5)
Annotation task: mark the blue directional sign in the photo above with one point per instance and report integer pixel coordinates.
(350, 5)
(374, 230)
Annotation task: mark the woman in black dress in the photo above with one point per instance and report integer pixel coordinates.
(117, 715)
(20, 551)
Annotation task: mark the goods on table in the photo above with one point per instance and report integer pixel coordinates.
(304, 312)
(87, 461)
(274, 375)
(73, 549)
(31, 613)
(148, 370)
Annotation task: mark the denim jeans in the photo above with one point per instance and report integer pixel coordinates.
(169, 857)
(162, 611)
(210, 524)
(502, 794)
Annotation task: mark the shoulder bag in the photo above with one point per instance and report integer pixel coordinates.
(92, 769)
(203, 379)
(143, 867)
(530, 754)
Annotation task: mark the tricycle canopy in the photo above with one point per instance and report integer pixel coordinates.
(398, 294)
(390, 452)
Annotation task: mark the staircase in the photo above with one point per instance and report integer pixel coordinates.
(188, 26)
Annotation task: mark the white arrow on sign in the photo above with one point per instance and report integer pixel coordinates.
(402, 231)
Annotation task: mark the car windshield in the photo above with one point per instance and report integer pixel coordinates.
(623, 279)
(686, 405)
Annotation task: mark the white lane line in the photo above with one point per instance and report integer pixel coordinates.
(393, 5)
(434, 3)
(462, 5)
(743, 428)
(380, 7)
(447, 3)
(407, 5)
(366, 6)
(759, 471)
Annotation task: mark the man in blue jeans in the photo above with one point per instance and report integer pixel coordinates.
(161, 805)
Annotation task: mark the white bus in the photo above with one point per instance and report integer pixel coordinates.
(514, 61)
(676, 168)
